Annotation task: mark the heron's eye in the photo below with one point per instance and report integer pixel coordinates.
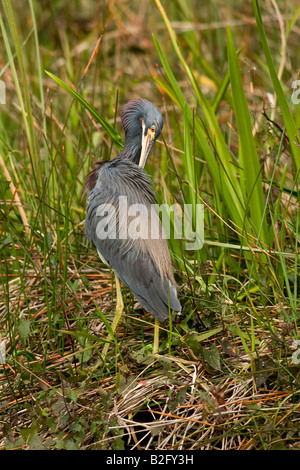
(153, 129)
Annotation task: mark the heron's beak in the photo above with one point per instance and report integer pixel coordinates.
(147, 142)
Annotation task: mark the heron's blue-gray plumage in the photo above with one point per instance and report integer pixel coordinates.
(131, 115)
(142, 264)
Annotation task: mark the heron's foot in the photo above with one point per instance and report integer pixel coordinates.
(92, 369)
(117, 318)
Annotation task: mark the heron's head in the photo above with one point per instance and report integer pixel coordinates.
(142, 122)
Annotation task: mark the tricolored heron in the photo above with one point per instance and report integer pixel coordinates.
(141, 262)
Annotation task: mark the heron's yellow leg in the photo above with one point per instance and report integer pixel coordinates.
(120, 304)
(117, 317)
(156, 337)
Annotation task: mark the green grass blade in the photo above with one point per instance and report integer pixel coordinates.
(222, 171)
(188, 157)
(109, 129)
(293, 20)
(221, 92)
(20, 80)
(251, 170)
(289, 123)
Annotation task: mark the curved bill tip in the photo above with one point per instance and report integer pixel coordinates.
(147, 142)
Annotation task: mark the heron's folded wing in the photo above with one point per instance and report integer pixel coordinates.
(139, 271)
(142, 264)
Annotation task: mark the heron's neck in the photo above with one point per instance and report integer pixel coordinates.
(132, 149)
